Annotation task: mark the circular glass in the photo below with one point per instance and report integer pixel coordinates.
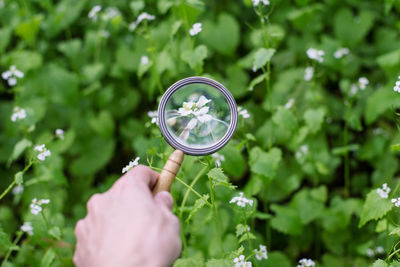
(197, 115)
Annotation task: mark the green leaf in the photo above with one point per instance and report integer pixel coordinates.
(19, 178)
(314, 119)
(286, 220)
(219, 178)
(265, 163)
(48, 258)
(262, 56)
(374, 208)
(195, 58)
(55, 232)
(19, 148)
(198, 204)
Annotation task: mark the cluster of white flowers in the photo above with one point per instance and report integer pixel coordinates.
(316, 54)
(12, 75)
(306, 263)
(371, 253)
(241, 262)
(18, 189)
(384, 191)
(241, 201)
(257, 2)
(44, 152)
(60, 133)
(27, 228)
(154, 116)
(143, 16)
(262, 253)
(144, 60)
(302, 152)
(243, 112)
(290, 103)
(196, 29)
(308, 74)
(131, 165)
(218, 159)
(341, 52)
(396, 201)
(396, 88)
(36, 205)
(18, 114)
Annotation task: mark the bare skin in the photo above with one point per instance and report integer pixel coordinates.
(127, 226)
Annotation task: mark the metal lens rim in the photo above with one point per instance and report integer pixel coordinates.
(186, 149)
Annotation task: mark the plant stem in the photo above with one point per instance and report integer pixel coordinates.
(10, 249)
(215, 215)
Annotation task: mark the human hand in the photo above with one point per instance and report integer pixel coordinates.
(127, 226)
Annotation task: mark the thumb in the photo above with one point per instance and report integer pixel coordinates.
(164, 199)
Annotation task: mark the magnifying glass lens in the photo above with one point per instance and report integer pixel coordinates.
(197, 115)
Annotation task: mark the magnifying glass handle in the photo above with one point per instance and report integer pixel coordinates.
(169, 172)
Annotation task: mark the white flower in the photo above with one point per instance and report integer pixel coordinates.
(218, 159)
(341, 52)
(241, 262)
(141, 17)
(306, 263)
(370, 252)
(363, 82)
(241, 201)
(131, 165)
(18, 189)
(18, 114)
(379, 250)
(154, 116)
(36, 205)
(11, 75)
(44, 152)
(196, 28)
(257, 2)
(93, 13)
(262, 253)
(308, 74)
(396, 88)
(316, 54)
(27, 228)
(396, 201)
(289, 104)
(384, 191)
(60, 133)
(243, 112)
(144, 60)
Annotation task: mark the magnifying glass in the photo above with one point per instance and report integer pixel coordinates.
(197, 116)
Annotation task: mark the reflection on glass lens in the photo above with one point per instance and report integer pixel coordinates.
(197, 115)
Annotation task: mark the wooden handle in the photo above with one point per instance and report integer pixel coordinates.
(169, 172)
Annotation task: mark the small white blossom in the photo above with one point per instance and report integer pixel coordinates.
(370, 252)
(18, 114)
(289, 104)
(18, 189)
(218, 159)
(257, 2)
(379, 250)
(396, 88)
(11, 75)
(241, 201)
(196, 28)
(93, 13)
(36, 205)
(384, 191)
(341, 52)
(316, 54)
(60, 133)
(27, 228)
(306, 263)
(243, 112)
(363, 82)
(396, 201)
(308, 74)
(143, 16)
(262, 253)
(44, 152)
(131, 165)
(154, 116)
(144, 60)
(241, 262)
